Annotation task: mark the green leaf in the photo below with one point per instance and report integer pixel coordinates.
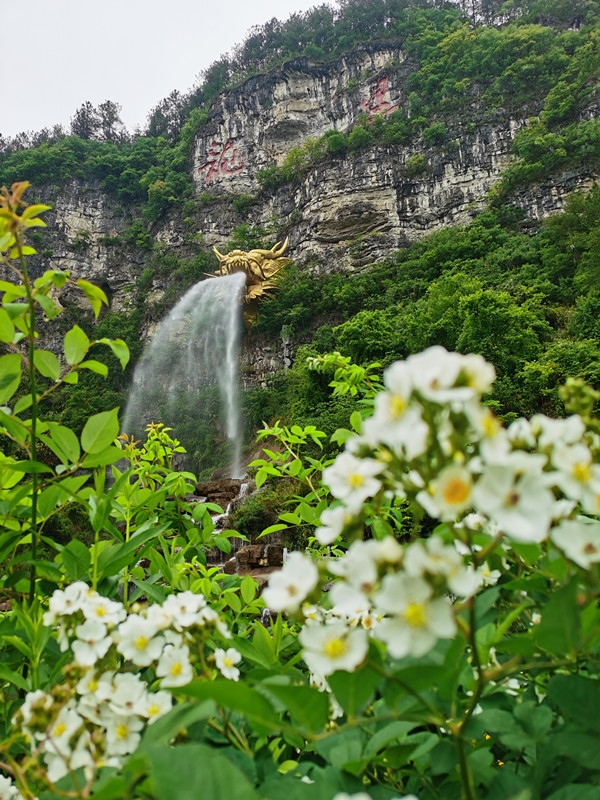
(7, 674)
(63, 442)
(354, 689)
(578, 791)
(114, 558)
(237, 697)
(7, 329)
(95, 366)
(177, 719)
(100, 431)
(356, 421)
(248, 589)
(110, 455)
(271, 529)
(200, 771)
(294, 467)
(307, 706)
(119, 348)
(47, 364)
(558, 632)
(10, 376)
(76, 559)
(76, 345)
(578, 698)
(50, 308)
(94, 294)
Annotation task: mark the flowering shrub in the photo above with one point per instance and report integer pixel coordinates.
(461, 664)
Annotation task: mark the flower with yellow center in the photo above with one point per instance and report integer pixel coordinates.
(334, 646)
(449, 494)
(174, 666)
(414, 619)
(226, 661)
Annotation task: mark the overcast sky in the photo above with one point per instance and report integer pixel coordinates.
(60, 53)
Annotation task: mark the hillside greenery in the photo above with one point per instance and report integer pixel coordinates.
(457, 287)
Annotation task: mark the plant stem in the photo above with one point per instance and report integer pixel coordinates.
(34, 416)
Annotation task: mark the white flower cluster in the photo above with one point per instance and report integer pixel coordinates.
(101, 717)
(430, 439)
(396, 594)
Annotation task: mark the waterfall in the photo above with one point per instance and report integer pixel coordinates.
(194, 350)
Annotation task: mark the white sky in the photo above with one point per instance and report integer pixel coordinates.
(60, 53)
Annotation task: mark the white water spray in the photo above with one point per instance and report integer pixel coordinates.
(194, 347)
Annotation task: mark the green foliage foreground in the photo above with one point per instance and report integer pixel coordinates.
(464, 665)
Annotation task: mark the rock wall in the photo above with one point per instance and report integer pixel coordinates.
(349, 211)
(345, 212)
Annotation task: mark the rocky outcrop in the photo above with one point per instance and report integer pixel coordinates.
(342, 214)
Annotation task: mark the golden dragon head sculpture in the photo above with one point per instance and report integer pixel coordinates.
(260, 267)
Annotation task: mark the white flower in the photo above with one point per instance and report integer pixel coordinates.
(418, 621)
(477, 373)
(183, 608)
(128, 688)
(449, 494)
(556, 432)
(358, 565)
(579, 540)
(174, 666)
(396, 422)
(122, 734)
(100, 687)
(352, 479)
(92, 643)
(432, 557)
(153, 705)
(62, 730)
(333, 522)
(36, 703)
(328, 648)
(348, 601)
(577, 476)
(226, 661)
(65, 602)
(8, 791)
(138, 642)
(520, 505)
(101, 609)
(289, 587)
(435, 372)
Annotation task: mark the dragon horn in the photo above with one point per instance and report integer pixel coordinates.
(219, 256)
(278, 250)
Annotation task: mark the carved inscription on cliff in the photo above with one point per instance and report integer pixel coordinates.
(222, 159)
(379, 100)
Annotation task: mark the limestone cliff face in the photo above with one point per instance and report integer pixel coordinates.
(347, 212)
(344, 213)
(81, 224)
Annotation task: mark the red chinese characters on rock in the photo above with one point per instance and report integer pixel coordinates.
(222, 160)
(378, 101)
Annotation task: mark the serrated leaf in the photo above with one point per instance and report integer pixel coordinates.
(76, 345)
